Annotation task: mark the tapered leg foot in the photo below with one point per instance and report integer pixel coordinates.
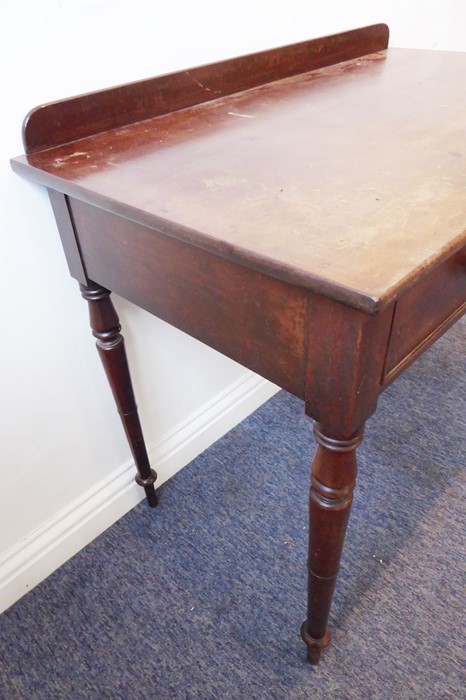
(333, 478)
(315, 646)
(106, 328)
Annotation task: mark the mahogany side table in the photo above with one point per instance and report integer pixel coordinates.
(302, 210)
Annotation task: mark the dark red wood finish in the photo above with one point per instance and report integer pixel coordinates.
(248, 313)
(425, 311)
(110, 344)
(116, 107)
(168, 193)
(333, 478)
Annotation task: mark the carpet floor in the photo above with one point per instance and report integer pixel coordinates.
(203, 597)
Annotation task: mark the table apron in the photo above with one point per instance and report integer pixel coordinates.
(253, 318)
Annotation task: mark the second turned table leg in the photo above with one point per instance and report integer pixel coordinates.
(106, 328)
(333, 477)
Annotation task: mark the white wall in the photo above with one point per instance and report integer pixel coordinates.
(65, 472)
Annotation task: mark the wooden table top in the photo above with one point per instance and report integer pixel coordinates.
(349, 180)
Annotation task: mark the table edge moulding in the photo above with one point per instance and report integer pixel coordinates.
(296, 209)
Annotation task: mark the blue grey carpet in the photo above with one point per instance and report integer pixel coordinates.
(203, 597)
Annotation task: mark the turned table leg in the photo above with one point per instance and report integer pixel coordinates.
(333, 478)
(106, 328)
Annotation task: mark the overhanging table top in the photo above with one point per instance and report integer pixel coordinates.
(349, 180)
(333, 167)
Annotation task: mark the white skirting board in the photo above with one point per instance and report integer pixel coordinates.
(39, 554)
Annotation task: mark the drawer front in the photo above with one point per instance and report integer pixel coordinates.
(425, 311)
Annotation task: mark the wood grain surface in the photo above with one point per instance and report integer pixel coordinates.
(348, 180)
(301, 210)
(84, 115)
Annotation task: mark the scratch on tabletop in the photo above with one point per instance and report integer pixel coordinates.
(237, 114)
(204, 87)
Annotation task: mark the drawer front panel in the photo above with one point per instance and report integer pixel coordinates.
(425, 311)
